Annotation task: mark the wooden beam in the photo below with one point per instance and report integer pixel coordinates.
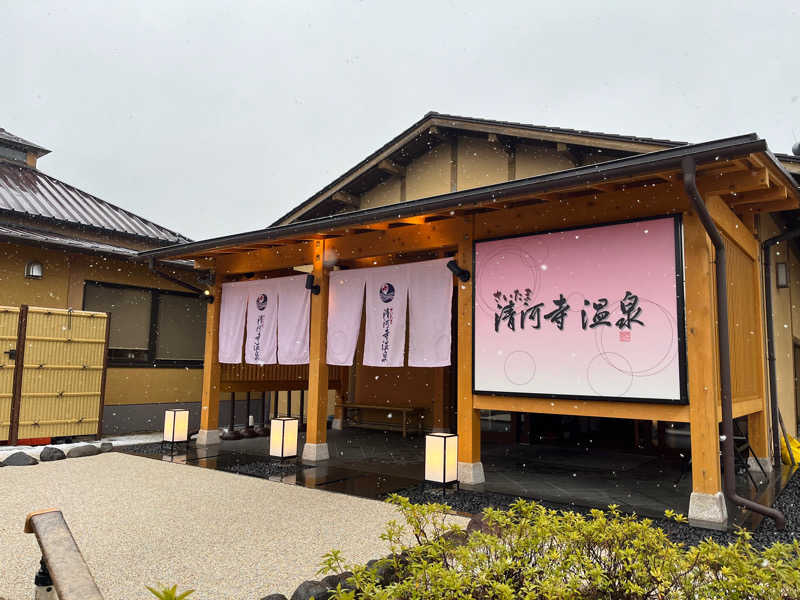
(272, 259)
(316, 432)
(738, 182)
(777, 206)
(732, 226)
(592, 209)
(701, 350)
(469, 419)
(430, 236)
(552, 136)
(584, 408)
(383, 226)
(347, 198)
(407, 221)
(768, 195)
(749, 220)
(391, 167)
(438, 134)
(209, 411)
(748, 407)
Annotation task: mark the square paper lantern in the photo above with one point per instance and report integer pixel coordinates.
(176, 425)
(283, 437)
(441, 457)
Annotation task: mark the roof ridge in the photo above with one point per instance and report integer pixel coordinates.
(620, 136)
(647, 162)
(104, 202)
(13, 138)
(431, 115)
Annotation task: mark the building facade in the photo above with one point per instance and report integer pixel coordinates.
(61, 247)
(448, 186)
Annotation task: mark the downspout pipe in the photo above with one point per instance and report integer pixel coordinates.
(689, 168)
(766, 251)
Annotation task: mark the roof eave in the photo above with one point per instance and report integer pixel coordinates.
(434, 119)
(84, 227)
(636, 165)
(120, 255)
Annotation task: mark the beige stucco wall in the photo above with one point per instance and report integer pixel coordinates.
(532, 160)
(480, 163)
(786, 324)
(387, 192)
(50, 291)
(152, 386)
(429, 175)
(62, 287)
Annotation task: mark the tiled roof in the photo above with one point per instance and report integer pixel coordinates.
(50, 239)
(26, 191)
(14, 140)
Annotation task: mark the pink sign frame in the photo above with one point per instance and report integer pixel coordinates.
(622, 335)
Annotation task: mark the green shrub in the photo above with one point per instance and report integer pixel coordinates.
(531, 553)
(165, 593)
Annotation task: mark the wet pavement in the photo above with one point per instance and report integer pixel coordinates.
(372, 464)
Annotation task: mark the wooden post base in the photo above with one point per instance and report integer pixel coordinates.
(208, 437)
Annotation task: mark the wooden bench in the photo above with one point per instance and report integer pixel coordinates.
(404, 410)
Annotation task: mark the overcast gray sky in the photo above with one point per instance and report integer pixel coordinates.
(217, 117)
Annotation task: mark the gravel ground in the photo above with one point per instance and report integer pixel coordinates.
(264, 468)
(766, 534)
(139, 521)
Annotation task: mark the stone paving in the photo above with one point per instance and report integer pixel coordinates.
(141, 521)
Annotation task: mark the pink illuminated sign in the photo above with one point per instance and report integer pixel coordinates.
(591, 313)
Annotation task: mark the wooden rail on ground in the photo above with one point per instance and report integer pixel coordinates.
(404, 410)
(71, 576)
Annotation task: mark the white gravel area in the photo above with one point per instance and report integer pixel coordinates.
(141, 521)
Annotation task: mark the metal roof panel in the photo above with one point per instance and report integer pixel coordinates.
(27, 191)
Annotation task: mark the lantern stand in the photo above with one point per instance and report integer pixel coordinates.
(261, 429)
(230, 433)
(283, 438)
(441, 449)
(444, 488)
(248, 431)
(176, 428)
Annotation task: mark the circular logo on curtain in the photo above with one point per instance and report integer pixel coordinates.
(261, 302)
(386, 292)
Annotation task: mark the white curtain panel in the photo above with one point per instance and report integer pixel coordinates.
(387, 301)
(261, 342)
(294, 312)
(233, 306)
(345, 303)
(430, 297)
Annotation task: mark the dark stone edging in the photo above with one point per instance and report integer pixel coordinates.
(51, 453)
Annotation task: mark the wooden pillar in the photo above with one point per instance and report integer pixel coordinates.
(758, 435)
(316, 447)
(209, 411)
(470, 468)
(707, 504)
(758, 430)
